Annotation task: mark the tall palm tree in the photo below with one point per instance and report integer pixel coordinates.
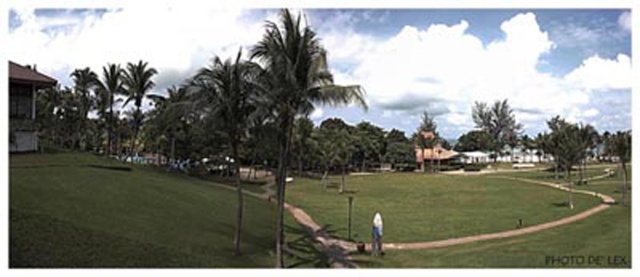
(423, 143)
(226, 91)
(297, 77)
(137, 83)
(84, 81)
(168, 112)
(620, 145)
(110, 86)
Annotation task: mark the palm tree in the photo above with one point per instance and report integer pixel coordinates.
(297, 77)
(423, 143)
(620, 145)
(110, 86)
(226, 91)
(168, 112)
(84, 81)
(137, 82)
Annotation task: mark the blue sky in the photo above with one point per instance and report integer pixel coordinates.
(572, 63)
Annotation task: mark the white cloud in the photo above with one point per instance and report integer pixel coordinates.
(596, 73)
(174, 40)
(442, 68)
(624, 20)
(445, 66)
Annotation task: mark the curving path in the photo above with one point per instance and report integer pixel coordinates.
(338, 250)
(304, 219)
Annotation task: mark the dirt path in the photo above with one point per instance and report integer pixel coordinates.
(304, 219)
(338, 250)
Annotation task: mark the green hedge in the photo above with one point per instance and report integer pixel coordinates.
(474, 167)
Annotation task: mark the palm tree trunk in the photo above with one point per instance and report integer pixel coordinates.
(253, 163)
(173, 147)
(431, 162)
(110, 128)
(236, 240)
(280, 190)
(342, 183)
(300, 161)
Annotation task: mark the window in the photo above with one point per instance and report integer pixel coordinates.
(20, 101)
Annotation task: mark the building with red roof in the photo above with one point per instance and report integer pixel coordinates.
(24, 82)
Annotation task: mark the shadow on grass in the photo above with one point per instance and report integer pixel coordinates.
(561, 204)
(305, 251)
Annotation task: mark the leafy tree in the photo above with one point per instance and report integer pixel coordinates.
(475, 140)
(498, 121)
(569, 147)
(303, 127)
(297, 77)
(399, 149)
(368, 141)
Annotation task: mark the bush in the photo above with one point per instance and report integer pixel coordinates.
(450, 167)
(405, 167)
(474, 167)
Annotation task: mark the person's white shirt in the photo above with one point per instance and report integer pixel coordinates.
(377, 222)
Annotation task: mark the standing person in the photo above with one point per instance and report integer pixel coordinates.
(376, 245)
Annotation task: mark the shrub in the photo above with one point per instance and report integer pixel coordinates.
(474, 167)
(405, 167)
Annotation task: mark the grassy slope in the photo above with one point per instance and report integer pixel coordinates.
(418, 207)
(65, 215)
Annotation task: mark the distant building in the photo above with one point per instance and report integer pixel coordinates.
(474, 157)
(437, 154)
(23, 84)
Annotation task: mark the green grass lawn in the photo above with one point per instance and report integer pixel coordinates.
(417, 207)
(65, 214)
(549, 175)
(606, 234)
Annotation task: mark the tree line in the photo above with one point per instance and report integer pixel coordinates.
(256, 111)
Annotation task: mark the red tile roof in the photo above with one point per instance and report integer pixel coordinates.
(21, 74)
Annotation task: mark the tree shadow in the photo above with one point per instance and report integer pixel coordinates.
(307, 252)
(560, 204)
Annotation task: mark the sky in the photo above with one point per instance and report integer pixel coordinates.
(575, 63)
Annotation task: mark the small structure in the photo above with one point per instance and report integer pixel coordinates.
(474, 157)
(437, 154)
(24, 82)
